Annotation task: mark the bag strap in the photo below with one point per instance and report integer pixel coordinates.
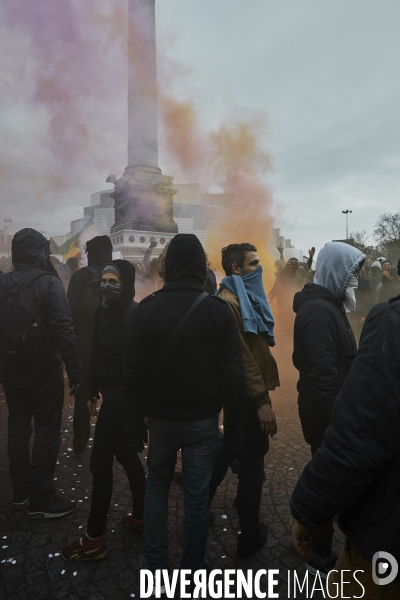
(180, 326)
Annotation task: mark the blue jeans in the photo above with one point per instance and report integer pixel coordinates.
(197, 440)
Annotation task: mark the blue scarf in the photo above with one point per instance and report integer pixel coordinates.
(254, 307)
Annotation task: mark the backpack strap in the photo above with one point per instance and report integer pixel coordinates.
(179, 327)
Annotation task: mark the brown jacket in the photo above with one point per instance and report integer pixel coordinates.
(260, 367)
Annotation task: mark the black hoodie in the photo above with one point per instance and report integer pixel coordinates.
(30, 254)
(99, 251)
(324, 348)
(110, 331)
(203, 368)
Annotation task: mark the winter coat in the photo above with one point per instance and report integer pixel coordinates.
(389, 289)
(31, 252)
(260, 367)
(203, 368)
(324, 348)
(356, 472)
(99, 254)
(110, 331)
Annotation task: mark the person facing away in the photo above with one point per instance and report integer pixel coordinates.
(324, 349)
(83, 295)
(111, 323)
(36, 337)
(356, 472)
(243, 291)
(180, 379)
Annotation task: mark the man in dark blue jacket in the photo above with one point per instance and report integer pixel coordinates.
(356, 472)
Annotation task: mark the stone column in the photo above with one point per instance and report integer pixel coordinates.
(143, 195)
(142, 86)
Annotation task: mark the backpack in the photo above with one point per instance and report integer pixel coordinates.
(19, 317)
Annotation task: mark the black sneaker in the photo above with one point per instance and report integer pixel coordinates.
(53, 510)
(248, 546)
(20, 500)
(323, 570)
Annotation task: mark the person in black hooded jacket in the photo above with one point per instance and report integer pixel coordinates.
(324, 349)
(83, 295)
(111, 323)
(36, 388)
(181, 386)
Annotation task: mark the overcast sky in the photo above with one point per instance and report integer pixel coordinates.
(326, 73)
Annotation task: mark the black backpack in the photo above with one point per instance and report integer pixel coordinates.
(19, 317)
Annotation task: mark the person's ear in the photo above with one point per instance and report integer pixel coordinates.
(235, 269)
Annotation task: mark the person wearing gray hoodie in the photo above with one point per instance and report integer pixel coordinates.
(324, 350)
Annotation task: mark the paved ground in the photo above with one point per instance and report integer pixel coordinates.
(34, 571)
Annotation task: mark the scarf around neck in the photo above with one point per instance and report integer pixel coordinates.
(254, 306)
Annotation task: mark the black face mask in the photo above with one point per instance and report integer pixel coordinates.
(109, 293)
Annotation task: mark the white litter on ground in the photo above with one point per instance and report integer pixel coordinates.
(224, 517)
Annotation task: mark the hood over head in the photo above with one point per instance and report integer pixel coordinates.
(99, 250)
(185, 259)
(376, 265)
(29, 247)
(127, 274)
(336, 264)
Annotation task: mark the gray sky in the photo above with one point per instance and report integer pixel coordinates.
(325, 72)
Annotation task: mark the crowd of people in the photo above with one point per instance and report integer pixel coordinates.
(165, 368)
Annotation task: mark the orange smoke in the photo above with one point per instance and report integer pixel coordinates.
(232, 160)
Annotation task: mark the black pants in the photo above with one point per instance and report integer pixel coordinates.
(81, 423)
(250, 458)
(44, 403)
(109, 441)
(314, 427)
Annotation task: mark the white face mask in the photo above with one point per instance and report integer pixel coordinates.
(349, 301)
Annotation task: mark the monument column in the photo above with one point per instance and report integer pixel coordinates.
(142, 85)
(143, 195)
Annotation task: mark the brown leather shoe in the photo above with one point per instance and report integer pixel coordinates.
(85, 548)
(133, 523)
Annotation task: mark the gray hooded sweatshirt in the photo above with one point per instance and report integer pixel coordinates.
(336, 264)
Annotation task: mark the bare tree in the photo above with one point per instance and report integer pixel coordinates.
(362, 241)
(387, 235)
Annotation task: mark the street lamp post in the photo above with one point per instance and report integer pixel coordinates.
(346, 212)
(6, 233)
